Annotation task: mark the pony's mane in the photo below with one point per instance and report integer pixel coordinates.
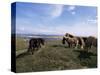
(93, 37)
(69, 35)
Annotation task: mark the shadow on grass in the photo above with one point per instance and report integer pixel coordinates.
(88, 59)
(22, 55)
(63, 46)
(84, 54)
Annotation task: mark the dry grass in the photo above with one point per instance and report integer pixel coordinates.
(21, 43)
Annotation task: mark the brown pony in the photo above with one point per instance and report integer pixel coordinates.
(78, 41)
(71, 41)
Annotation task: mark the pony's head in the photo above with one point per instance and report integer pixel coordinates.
(63, 40)
(41, 40)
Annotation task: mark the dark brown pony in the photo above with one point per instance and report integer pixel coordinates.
(91, 41)
(35, 44)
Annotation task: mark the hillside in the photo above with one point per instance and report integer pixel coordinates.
(56, 56)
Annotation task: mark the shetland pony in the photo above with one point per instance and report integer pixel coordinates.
(78, 41)
(91, 41)
(72, 42)
(35, 44)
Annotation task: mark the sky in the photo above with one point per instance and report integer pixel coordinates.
(57, 19)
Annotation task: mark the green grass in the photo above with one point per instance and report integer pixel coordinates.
(55, 56)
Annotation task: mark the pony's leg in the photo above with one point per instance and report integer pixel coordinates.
(28, 50)
(81, 46)
(36, 48)
(32, 50)
(39, 45)
(76, 46)
(72, 45)
(69, 45)
(87, 50)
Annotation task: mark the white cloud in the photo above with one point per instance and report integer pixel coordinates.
(71, 8)
(56, 11)
(73, 13)
(92, 20)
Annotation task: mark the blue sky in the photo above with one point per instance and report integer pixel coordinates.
(35, 18)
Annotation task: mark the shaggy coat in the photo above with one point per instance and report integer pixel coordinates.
(71, 41)
(78, 41)
(69, 35)
(34, 44)
(91, 41)
(81, 42)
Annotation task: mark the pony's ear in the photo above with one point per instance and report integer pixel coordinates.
(67, 35)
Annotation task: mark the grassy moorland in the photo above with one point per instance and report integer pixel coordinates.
(21, 43)
(54, 56)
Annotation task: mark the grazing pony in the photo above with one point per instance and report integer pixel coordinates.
(91, 41)
(84, 39)
(34, 44)
(71, 41)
